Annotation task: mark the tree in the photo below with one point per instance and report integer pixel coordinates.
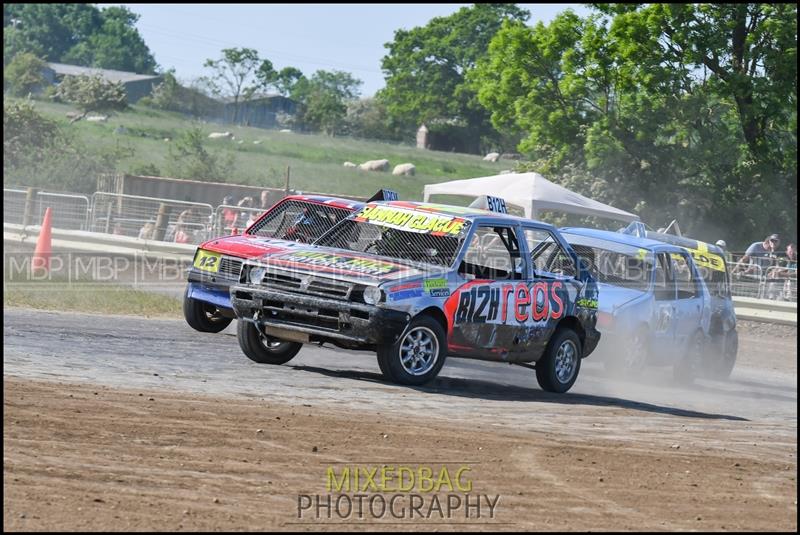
(750, 51)
(26, 134)
(238, 74)
(188, 158)
(286, 79)
(323, 99)
(92, 93)
(37, 153)
(367, 118)
(47, 30)
(116, 44)
(630, 101)
(80, 34)
(425, 67)
(24, 74)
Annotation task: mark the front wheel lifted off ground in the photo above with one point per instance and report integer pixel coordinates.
(202, 316)
(558, 368)
(264, 349)
(418, 354)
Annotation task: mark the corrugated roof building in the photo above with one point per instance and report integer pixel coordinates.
(136, 85)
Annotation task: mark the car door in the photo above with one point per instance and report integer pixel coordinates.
(495, 282)
(554, 285)
(662, 324)
(688, 303)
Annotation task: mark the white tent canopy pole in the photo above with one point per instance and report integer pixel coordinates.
(530, 191)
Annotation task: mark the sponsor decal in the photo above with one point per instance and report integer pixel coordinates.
(437, 287)
(587, 303)
(430, 284)
(411, 220)
(405, 291)
(704, 258)
(405, 294)
(508, 303)
(365, 266)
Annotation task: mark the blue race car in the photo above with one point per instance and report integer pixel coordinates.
(654, 305)
(418, 283)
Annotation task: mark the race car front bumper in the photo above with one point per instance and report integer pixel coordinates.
(210, 289)
(311, 318)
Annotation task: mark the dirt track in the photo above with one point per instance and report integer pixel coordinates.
(90, 449)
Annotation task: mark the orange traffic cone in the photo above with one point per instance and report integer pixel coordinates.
(41, 256)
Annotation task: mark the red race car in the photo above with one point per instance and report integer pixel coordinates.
(295, 220)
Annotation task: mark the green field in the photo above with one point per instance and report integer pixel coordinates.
(315, 160)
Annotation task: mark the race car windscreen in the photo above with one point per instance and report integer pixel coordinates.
(400, 234)
(299, 221)
(613, 263)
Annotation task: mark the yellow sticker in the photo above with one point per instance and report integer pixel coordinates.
(703, 258)
(207, 261)
(410, 220)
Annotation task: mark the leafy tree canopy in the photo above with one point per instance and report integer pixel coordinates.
(674, 110)
(80, 34)
(323, 99)
(425, 67)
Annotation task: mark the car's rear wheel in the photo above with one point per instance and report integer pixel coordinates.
(558, 368)
(722, 366)
(202, 316)
(264, 349)
(687, 368)
(418, 354)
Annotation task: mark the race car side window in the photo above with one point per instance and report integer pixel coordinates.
(685, 279)
(665, 286)
(493, 254)
(547, 256)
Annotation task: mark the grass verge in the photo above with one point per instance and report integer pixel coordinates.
(94, 298)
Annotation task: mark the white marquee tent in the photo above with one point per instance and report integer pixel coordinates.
(531, 192)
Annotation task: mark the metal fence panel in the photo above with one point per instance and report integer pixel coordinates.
(13, 205)
(69, 211)
(228, 217)
(136, 216)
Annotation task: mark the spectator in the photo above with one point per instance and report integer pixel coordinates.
(228, 214)
(724, 246)
(265, 204)
(759, 256)
(789, 263)
(781, 278)
(181, 232)
(147, 232)
(242, 216)
(252, 219)
(186, 216)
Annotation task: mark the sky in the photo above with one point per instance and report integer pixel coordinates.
(348, 37)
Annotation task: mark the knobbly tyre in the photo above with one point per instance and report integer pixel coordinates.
(417, 282)
(295, 219)
(722, 340)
